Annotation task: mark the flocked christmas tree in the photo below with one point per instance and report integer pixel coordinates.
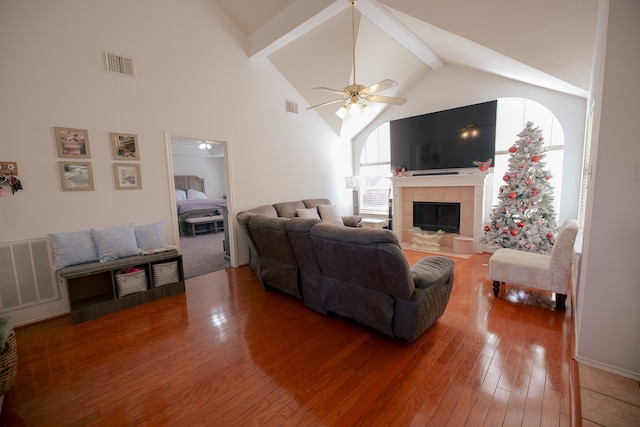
(524, 218)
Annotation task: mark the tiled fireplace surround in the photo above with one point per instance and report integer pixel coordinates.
(468, 189)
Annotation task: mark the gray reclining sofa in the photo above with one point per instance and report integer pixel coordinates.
(355, 272)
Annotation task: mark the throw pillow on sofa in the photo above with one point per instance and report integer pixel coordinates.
(308, 213)
(330, 215)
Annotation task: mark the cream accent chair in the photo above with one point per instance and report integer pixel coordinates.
(546, 272)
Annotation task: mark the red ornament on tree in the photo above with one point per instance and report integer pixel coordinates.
(513, 149)
(521, 224)
(514, 232)
(549, 235)
(512, 195)
(487, 228)
(506, 178)
(535, 158)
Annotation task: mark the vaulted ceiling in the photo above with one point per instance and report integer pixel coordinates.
(548, 43)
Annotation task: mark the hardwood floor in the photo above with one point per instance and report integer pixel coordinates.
(227, 353)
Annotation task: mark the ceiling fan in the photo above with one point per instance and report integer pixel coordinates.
(353, 95)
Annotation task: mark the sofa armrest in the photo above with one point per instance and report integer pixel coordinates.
(432, 270)
(352, 221)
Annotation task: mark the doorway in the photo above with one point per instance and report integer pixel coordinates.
(205, 247)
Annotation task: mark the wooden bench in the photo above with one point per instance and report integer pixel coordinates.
(216, 221)
(93, 290)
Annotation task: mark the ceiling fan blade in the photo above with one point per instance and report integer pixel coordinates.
(377, 87)
(325, 103)
(386, 99)
(326, 89)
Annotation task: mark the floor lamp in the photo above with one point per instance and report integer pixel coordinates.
(352, 182)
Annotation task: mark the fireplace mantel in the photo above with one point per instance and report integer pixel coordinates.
(471, 190)
(457, 180)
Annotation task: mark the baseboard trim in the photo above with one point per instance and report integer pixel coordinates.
(609, 368)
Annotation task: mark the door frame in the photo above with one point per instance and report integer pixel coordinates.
(228, 187)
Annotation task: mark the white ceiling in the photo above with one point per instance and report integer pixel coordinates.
(548, 43)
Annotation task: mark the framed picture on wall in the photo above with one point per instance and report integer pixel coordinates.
(127, 176)
(76, 176)
(125, 146)
(72, 142)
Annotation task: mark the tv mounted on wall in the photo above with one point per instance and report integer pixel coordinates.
(445, 140)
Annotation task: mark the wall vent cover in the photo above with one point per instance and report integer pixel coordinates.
(291, 106)
(118, 64)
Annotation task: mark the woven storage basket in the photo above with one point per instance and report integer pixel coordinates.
(131, 283)
(165, 273)
(8, 364)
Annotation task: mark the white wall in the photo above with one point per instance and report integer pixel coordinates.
(193, 77)
(434, 93)
(609, 298)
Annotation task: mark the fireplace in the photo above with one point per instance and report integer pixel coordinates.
(434, 216)
(469, 190)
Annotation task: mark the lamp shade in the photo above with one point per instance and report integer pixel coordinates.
(352, 181)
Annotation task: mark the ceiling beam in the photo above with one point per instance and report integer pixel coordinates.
(294, 21)
(383, 18)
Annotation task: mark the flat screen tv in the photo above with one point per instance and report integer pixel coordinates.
(445, 140)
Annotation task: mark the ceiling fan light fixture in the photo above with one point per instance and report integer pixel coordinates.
(354, 93)
(352, 107)
(342, 112)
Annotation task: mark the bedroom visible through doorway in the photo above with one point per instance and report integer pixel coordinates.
(201, 191)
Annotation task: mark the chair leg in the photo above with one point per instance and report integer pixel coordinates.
(496, 288)
(561, 301)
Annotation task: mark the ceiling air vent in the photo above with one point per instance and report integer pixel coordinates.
(118, 64)
(290, 106)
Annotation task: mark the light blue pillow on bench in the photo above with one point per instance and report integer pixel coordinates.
(115, 242)
(73, 248)
(150, 236)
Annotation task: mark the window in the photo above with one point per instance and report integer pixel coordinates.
(375, 170)
(512, 116)
(586, 169)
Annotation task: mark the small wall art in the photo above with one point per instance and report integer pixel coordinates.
(72, 142)
(76, 176)
(125, 146)
(127, 176)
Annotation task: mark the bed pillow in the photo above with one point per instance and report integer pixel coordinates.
(308, 213)
(150, 236)
(181, 195)
(116, 242)
(73, 248)
(329, 214)
(195, 195)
